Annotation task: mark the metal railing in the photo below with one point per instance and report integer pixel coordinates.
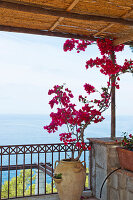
(27, 170)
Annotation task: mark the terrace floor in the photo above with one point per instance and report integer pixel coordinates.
(51, 197)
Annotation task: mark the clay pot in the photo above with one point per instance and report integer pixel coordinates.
(72, 183)
(125, 158)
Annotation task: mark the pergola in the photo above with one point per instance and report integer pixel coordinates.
(81, 19)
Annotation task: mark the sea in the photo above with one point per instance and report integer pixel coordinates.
(28, 129)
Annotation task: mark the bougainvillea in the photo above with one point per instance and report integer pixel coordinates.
(127, 141)
(105, 63)
(79, 45)
(75, 119)
(91, 111)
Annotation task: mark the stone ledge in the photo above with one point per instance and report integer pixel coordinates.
(105, 141)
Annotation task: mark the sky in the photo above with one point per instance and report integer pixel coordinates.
(30, 65)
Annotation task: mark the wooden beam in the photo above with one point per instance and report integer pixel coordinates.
(72, 5)
(110, 25)
(14, 167)
(128, 14)
(113, 117)
(60, 19)
(45, 32)
(103, 29)
(123, 39)
(43, 11)
(48, 33)
(42, 167)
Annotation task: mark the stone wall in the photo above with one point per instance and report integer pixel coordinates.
(119, 186)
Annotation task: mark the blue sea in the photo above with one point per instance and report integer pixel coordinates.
(28, 129)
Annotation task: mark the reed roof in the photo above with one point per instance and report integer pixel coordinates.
(84, 19)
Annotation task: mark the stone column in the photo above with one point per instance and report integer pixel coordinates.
(104, 160)
(41, 182)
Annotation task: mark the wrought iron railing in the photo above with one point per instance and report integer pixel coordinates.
(27, 170)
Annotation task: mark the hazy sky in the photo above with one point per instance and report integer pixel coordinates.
(30, 65)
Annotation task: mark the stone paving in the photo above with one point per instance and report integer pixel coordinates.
(51, 197)
(86, 195)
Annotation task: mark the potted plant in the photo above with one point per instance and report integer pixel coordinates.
(57, 178)
(77, 119)
(125, 153)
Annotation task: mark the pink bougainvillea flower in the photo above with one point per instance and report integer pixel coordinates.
(89, 88)
(89, 148)
(78, 118)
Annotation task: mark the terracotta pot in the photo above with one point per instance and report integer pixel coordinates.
(72, 183)
(125, 158)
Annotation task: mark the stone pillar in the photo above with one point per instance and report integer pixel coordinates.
(104, 160)
(41, 182)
